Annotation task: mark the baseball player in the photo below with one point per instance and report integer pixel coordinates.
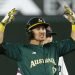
(61, 63)
(63, 69)
(35, 58)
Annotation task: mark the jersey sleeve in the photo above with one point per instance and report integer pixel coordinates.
(11, 51)
(66, 46)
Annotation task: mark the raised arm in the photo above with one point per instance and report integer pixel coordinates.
(70, 16)
(7, 19)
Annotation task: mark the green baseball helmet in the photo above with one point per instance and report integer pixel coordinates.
(36, 21)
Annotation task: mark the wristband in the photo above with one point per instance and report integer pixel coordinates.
(2, 27)
(73, 27)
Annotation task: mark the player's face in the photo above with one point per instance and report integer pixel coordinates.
(39, 33)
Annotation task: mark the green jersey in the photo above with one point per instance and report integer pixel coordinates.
(38, 59)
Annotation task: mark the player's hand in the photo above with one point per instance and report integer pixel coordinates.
(69, 14)
(9, 17)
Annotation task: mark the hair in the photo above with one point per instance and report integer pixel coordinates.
(48, 34)
(30, 35)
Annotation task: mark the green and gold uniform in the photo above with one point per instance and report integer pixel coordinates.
(38, 59)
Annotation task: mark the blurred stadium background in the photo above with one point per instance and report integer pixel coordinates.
(51, 10)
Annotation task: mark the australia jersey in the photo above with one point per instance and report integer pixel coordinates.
(38, 59)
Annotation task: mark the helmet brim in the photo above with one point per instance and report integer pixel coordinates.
(50, 33)
(38, 24)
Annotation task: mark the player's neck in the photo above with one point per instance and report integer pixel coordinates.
(36, 42)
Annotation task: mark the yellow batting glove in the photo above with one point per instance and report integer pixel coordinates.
(9, 17)
(69, 14)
